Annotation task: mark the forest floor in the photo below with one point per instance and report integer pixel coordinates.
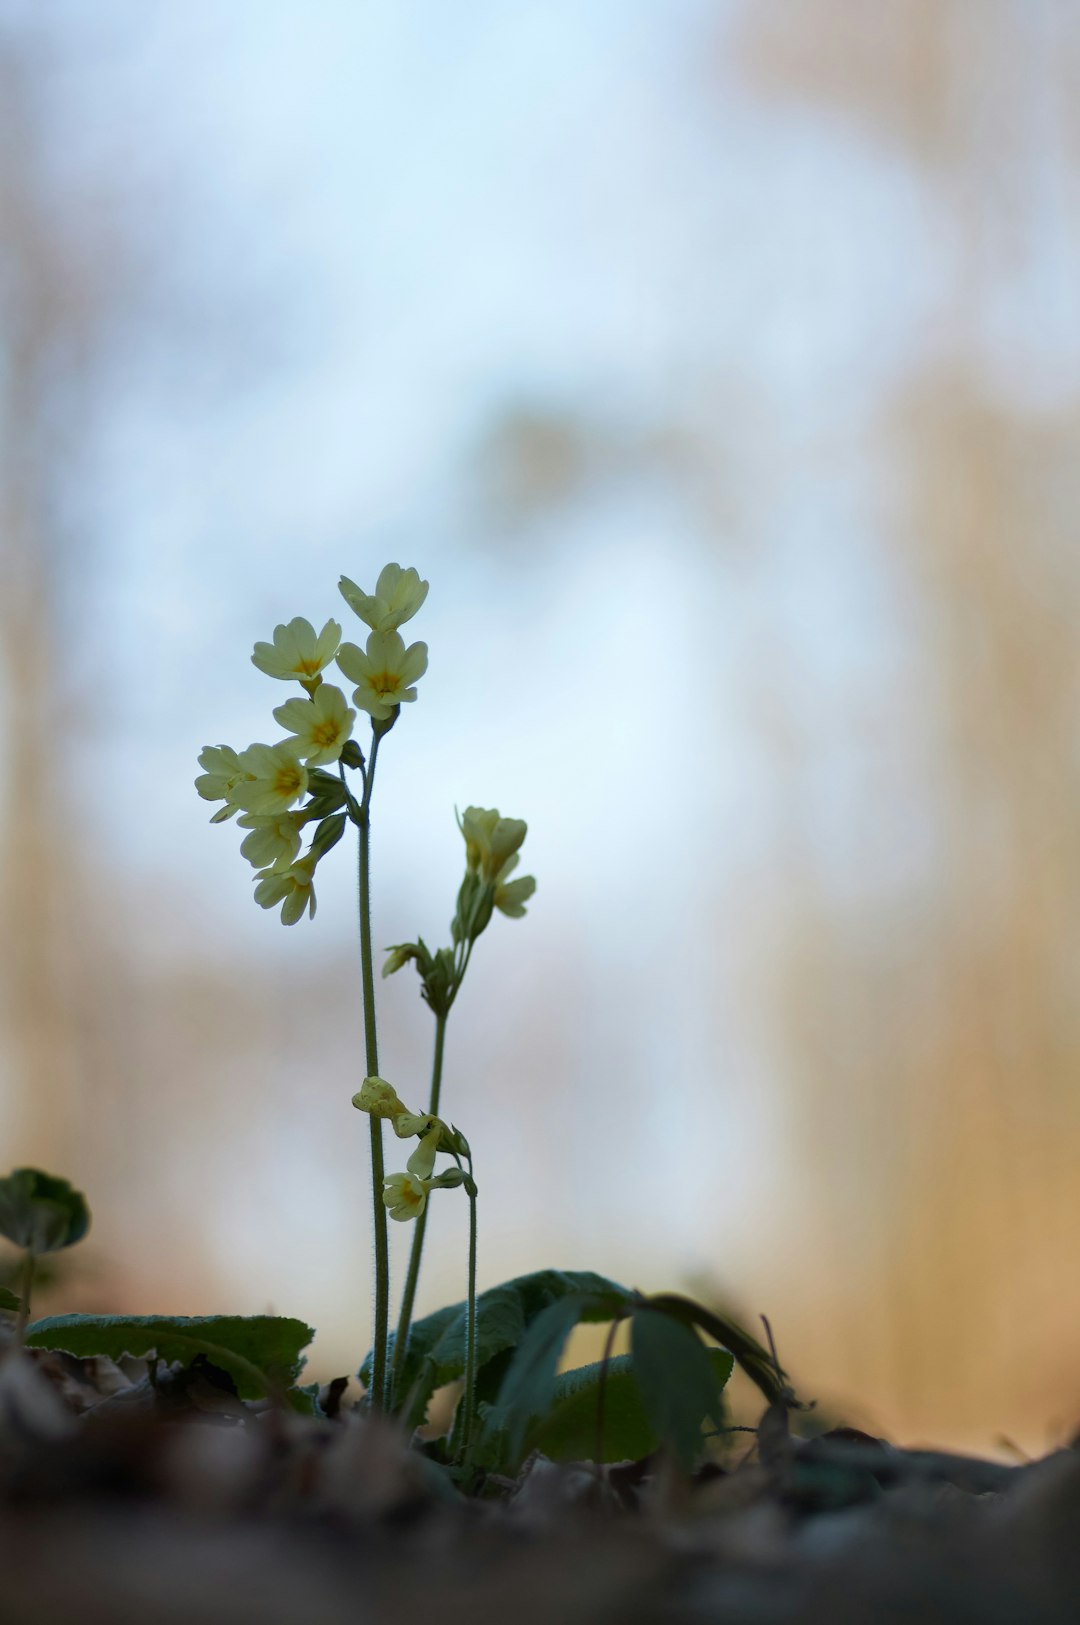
(123, 1503)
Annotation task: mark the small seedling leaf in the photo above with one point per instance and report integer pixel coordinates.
(40, 1212)
(8, 1300)
(262, 1353)
(676, 1379)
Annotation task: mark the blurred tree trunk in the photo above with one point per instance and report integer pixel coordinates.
(51, 309)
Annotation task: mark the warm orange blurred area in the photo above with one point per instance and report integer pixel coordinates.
(878, 414)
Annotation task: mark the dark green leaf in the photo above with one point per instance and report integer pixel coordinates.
(262, 1353)
(40, 1212)
(678, 1385)
(436, 1352)
(8, 1300)
(569, 1430)
(750, 1356)
(304, 1399)
(529, 1385)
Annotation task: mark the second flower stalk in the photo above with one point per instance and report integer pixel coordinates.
(405, 1195)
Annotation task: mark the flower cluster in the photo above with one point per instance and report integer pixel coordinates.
(491, 856)
(491, 852)
(405, 1195)
(278, 789)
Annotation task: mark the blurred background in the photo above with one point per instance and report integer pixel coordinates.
(719, 365)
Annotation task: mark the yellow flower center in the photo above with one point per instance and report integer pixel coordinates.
(287, 780)
(309, 668)
(326, 733)
(385, 682)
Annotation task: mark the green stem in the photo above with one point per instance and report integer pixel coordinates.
(470, 1325)
(401, 1338)
(378, 1170)
(26, 1288)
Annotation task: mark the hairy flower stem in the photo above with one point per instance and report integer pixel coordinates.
(378, 1170)
(401, 1339)
(469, 1399)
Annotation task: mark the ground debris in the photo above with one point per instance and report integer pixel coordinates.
(168, 1499)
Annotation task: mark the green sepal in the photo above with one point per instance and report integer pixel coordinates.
(438, 980)
(327, 797)
(351, 754)
(328, 834)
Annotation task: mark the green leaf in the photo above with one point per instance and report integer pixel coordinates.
(262, 1353)
(304, 1399)
(568, 1431)
(756, 1361)
(529, 1385)
(40, 1212)
(436, 1353)
(676, 1379)
(8, 1300)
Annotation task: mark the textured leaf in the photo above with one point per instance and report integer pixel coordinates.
(757, 1362)
(436, 1353)
(529, 1385)
(678, 1385)
(262, 1353)
(568, 1431)
(40, 1212)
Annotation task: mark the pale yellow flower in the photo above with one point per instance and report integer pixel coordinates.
(512, 895)
(384, 673)
(490, 840)
(273, 842)
(297, 653)
(320, 726)
(276, 778)
(398, 956)
(410, 1123)
(397, 597)
(378, 1098)
(222, 772)
(405, 1195)
(291, 887)
(422, 1162)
